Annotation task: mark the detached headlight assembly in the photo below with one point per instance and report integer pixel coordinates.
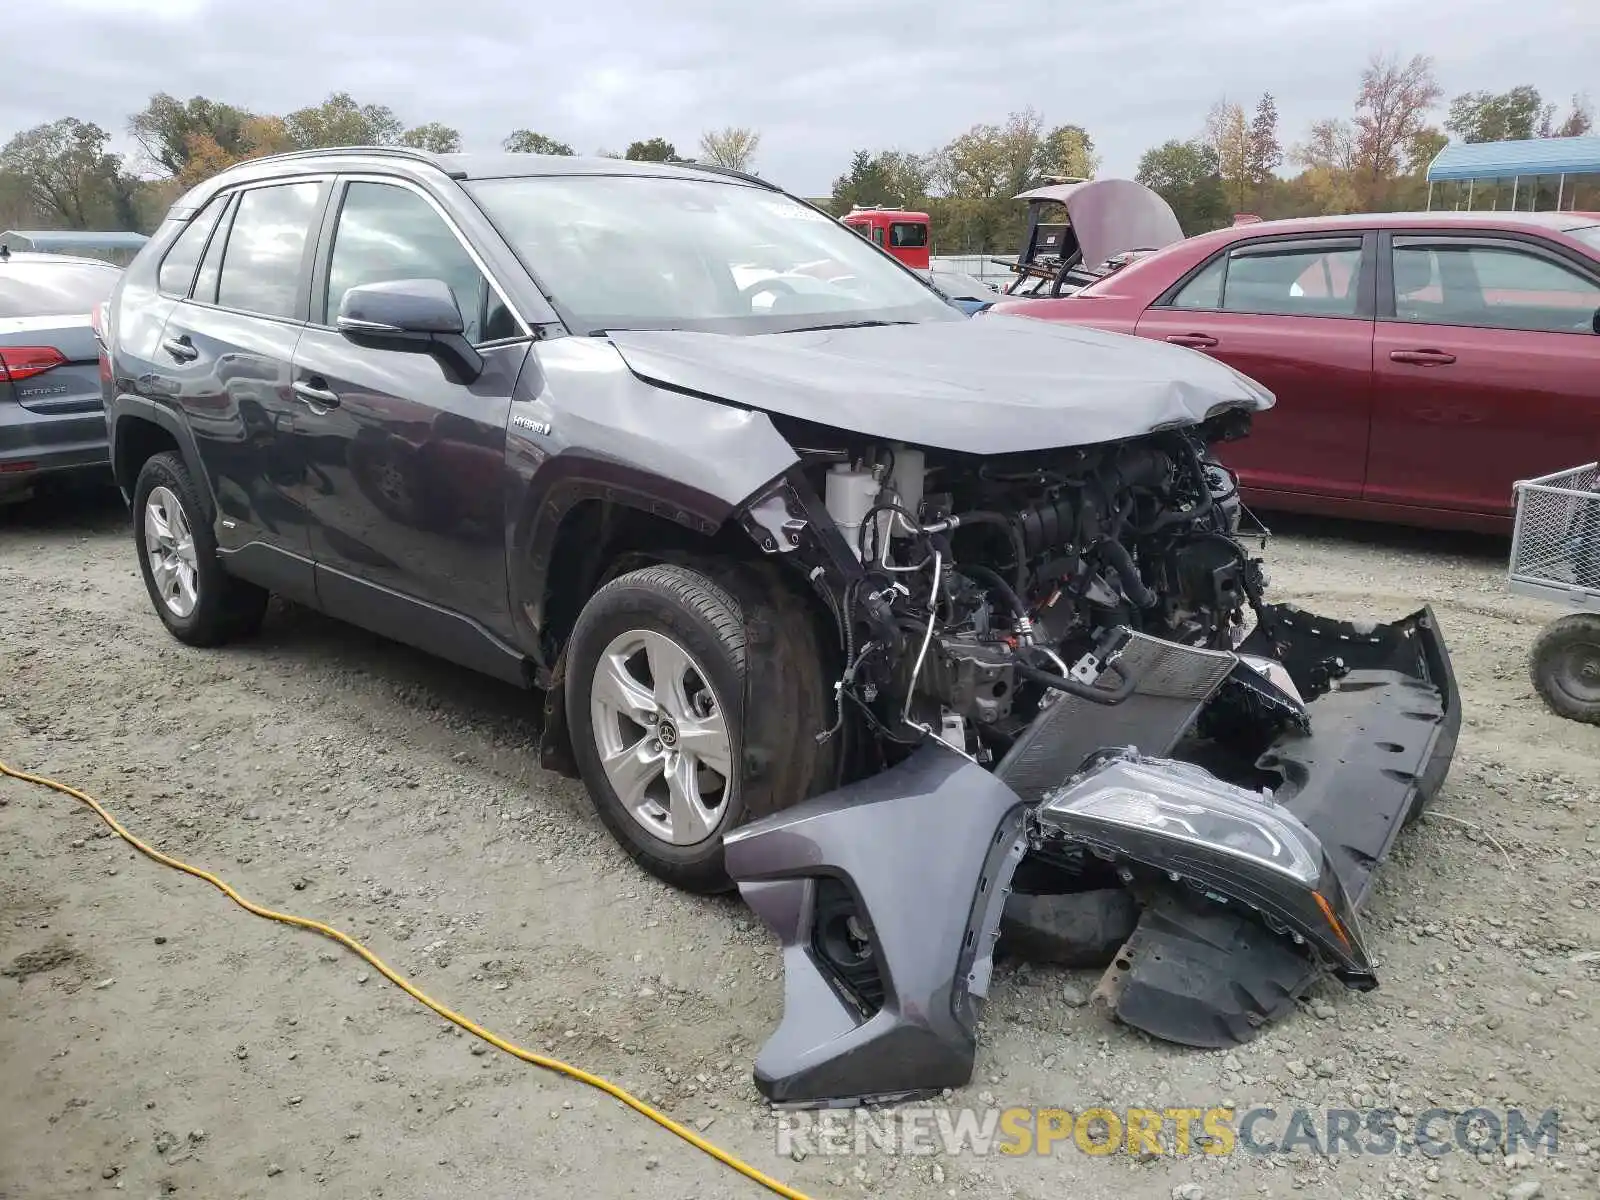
(1178, 819)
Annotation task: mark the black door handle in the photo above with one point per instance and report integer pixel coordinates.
(1195, 341)
(180, 348)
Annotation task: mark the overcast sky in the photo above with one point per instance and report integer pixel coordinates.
(818, 78)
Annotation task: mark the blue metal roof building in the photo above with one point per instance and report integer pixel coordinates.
(1470, 161)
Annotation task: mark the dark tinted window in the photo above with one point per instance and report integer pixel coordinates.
(1495, 287)
(205, 283)
(261, 268)
(388, 232)
(45, 289)
(908, 235)
(177, 268)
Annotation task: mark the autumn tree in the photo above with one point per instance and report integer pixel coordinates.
(435, 137)
(1578, 121)
(526, 141)
(67, 174)
(1328, 162)
(257, 137)
(1263, 153)
(734, 148)
(1186, 176)
(1227, 132)
(1067, 150)
(167, 127)
(340, 121)
(655, 150)
(1391, 109)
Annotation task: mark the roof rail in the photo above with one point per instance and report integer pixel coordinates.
(735, 173)
(421, 156)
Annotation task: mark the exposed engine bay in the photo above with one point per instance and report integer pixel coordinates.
(1079, 732)
(995, 586)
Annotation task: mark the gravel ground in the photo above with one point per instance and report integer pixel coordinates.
(157, 1040)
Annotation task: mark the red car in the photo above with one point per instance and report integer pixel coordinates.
(1423, 362)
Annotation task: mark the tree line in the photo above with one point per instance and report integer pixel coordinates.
(1373, 160)
(63, 174)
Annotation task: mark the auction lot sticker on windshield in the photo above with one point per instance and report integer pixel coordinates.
(794, 212)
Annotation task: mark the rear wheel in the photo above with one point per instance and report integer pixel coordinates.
(692, 695)
(197, 600)
(1565, 666)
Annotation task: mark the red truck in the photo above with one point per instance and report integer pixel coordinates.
(1423, 362)
(901, 232)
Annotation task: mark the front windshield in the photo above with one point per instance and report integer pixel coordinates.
(1589, 234)
(643, 252)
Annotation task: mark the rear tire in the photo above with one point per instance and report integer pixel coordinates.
(198, 602)
(692, 694)
(1565, 667)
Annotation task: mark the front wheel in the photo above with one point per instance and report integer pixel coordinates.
(1565, 666)
(692, 701)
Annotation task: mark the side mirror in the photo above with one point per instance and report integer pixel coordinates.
(416, 315)
(1596, 322)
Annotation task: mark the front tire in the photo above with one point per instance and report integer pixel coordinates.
(692, 696)
(1565, 667)
(198, 602)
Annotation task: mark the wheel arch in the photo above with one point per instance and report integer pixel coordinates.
(139, 428)
(600, 538)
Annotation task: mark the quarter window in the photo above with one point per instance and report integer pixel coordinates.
(387, 233)
(1495, 287)
(177, 268)
(266, 246)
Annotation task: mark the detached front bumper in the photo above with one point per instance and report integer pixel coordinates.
(1379, 747)
(887, 894)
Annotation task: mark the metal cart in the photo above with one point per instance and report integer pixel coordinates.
(1555, 556)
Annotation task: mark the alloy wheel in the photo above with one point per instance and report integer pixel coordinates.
(662, 736)
(169, 545)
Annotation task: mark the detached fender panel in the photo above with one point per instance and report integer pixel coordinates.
(923, 856)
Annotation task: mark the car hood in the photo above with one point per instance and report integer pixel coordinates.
(986, 385)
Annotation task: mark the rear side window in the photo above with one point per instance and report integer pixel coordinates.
(266, 248)
(183, 256)
(39, 289)
(1280, 279)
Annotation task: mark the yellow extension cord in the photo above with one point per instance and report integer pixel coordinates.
(394, 977)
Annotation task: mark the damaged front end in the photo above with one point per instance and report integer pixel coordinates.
(1242, 798)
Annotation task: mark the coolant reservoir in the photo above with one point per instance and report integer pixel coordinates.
(849, 496)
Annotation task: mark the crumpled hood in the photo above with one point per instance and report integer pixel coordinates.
(990, 384)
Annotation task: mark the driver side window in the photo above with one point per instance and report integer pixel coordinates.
(1493, 287)
(386, 232)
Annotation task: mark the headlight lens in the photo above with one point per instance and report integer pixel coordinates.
(1188, 805)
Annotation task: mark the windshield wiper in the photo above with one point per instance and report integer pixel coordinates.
(848, 325)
